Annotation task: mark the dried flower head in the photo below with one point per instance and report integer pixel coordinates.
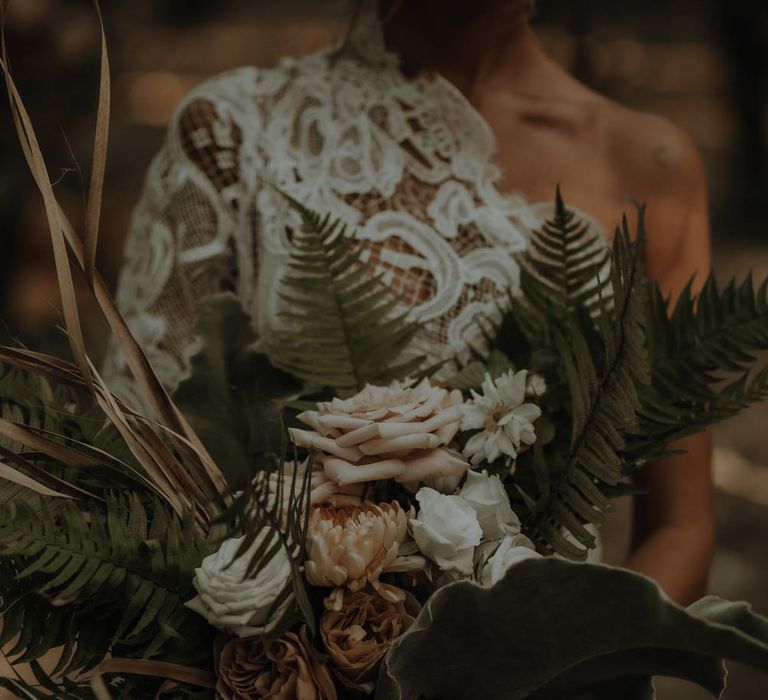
(290, 670)
(354, 545)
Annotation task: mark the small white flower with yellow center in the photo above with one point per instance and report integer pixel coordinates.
(502, 415)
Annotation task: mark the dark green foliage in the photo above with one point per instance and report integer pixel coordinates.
(129, 688)
(624, 372)
(604, 401)
(472, 375)
(564, 269)
(556, 630)
(346, 331)
(32, 399)
(233, 399)
(45, 689)
(230, 396)
(702, 352)
(72, 419)
(94, 580)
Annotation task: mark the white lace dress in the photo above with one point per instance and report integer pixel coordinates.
(407, 163)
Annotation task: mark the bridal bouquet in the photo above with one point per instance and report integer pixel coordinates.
(320, 515)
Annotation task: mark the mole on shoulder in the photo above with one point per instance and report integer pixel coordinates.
(661, 156)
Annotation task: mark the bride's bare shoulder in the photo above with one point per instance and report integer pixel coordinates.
(648, 152)
(657, 163)
(645, 152)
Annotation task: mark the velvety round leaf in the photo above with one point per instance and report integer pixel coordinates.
(553, 629)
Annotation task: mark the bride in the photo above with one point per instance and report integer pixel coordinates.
(438, 131)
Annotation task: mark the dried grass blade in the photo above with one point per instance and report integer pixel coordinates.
(63, 237)
(107, 460)
(40, 474)
(19, 432)
(101, 140)
(19, 478)
(153, 669)
(36, 162)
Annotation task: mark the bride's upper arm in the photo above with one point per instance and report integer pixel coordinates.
(210, 141)
(665, 171)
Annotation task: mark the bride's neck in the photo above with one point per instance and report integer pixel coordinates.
(469, 42)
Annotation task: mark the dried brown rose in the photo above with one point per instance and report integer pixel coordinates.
(359, 634)
(288, 671)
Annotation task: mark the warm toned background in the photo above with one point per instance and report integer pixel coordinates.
(701, 63)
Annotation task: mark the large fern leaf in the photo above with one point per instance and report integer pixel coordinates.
(346, 330)
(702, 352)
(604, 400)
(589, 335)
(95, 581)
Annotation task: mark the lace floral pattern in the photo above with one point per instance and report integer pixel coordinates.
(406, 163)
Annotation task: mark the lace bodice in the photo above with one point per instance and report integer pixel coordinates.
(406, 163)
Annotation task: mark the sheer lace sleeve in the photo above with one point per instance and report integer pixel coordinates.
(182, 243)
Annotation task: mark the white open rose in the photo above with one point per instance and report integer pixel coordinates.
(487, 495)
(511, 550)
(231, 602)
(396, 432)
(446, 530)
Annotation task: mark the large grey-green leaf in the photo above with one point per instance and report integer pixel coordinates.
(554, 629)
(230, 395)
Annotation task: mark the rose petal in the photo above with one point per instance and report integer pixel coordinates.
(419, 441)
(346, 474)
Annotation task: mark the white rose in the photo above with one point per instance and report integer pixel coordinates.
(233, 603)
(511, 550)
(446, 530)
(486, 494)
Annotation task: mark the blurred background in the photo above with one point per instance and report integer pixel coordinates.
(701, 63)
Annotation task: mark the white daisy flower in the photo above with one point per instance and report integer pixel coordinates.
(502, 415)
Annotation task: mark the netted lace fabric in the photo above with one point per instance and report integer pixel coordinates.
(405, 162)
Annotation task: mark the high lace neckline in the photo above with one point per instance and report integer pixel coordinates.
(406, 163)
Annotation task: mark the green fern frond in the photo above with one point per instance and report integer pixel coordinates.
(637, 374)
(701, 355)
(98, 580)
(563, 274)
(604, 400)
(564, 268)
(347, 330)
(60, 413)
(31, 399)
